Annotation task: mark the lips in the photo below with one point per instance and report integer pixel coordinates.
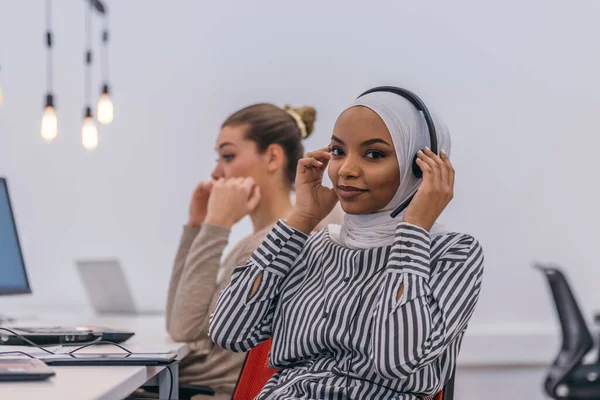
(349, 192)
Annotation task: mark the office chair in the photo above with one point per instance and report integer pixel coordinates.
(568, 378)
(256, 373)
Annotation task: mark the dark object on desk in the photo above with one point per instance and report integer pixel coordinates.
(105, 334)
(568, 378)
(47, 336)
(114, 359)
(24, 369)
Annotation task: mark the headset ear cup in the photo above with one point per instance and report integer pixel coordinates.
(416, 169)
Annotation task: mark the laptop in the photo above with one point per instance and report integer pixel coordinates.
(52, 335)
(149, 359)
(108, 292)
(24, 369)
(107, 288)
(46, 336)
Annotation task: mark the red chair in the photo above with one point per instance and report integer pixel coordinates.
(256, 372)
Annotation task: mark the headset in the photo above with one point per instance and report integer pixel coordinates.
(419, 105)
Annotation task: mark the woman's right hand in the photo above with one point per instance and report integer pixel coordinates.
(313, 200)
(231, 200)
(199, 204)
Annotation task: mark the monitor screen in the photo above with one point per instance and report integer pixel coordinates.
(13, 278)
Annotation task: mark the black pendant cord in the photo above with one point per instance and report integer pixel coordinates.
(88, 60)
(49, 45)
(104, 54)
(49, 101)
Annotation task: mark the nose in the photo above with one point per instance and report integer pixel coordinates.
(217, 172)
(350, 168)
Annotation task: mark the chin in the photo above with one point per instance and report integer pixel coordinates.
(354, 208)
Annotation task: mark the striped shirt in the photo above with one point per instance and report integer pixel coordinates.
(382, 323)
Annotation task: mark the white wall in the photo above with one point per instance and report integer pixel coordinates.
(517, 83)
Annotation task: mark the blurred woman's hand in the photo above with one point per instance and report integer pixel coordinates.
(199, 203)
(231, 200)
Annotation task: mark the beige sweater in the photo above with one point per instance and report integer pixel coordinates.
(193, 293)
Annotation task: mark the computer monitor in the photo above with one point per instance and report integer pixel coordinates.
(13, 277)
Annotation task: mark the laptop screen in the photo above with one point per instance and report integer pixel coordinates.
(13, 279)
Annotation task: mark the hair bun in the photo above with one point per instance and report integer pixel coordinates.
(305, 118)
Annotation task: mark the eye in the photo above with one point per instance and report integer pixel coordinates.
(374, 155)
(228, 157)
(336, 151)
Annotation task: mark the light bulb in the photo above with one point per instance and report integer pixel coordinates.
(89, 134)
(49, 124)
(105, 107)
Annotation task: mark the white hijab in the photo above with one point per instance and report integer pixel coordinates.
(408, 130)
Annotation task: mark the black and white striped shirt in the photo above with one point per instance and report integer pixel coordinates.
(339, 329)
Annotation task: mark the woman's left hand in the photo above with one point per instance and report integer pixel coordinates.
(435, 192)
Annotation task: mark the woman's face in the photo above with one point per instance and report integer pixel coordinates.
(238, 157)
(363, 168)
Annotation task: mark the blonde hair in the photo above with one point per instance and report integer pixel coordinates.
(305, 119)
(268, 124)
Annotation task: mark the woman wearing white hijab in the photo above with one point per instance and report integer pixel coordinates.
(376, 308)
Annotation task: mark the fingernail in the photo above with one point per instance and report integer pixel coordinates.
(421, 152)
(427, 148)
(443, 152)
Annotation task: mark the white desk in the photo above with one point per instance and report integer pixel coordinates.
(103, 383)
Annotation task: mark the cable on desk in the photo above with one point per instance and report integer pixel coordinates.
(29, 342)
(98, 342)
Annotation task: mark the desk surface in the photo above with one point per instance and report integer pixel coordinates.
(79, 383)
(100, 383)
